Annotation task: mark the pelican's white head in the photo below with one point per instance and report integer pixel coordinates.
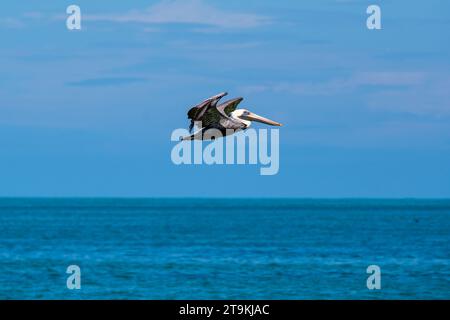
(239, 115)
(247, 117)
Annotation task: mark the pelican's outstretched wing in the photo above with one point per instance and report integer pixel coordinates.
(196, 113)
(217, 116)
(229, 106)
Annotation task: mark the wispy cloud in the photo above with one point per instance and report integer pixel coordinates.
(112, 81)
(11, 23)
(430, 98)
(410, 92)
(20, 21)
(387, 78)
(185, 11)
(334, 86)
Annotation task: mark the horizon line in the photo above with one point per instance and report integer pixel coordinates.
(217, 198)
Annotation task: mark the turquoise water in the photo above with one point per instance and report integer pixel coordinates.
(224, 248)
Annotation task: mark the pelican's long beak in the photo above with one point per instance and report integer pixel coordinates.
(255, 117)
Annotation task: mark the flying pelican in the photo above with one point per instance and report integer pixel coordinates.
(224, 117)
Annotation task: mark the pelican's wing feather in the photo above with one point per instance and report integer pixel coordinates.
(229, 106)
(211, 118)
(214, 116)
(197, 112)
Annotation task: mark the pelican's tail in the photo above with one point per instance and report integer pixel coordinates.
(187, 138)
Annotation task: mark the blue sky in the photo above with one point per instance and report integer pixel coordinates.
(89, 113)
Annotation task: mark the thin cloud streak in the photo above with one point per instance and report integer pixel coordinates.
(113, 81)
(11, 23)
(185, 11)
(420, 93)
(334, 86)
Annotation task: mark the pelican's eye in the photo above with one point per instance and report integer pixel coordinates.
(246, 113)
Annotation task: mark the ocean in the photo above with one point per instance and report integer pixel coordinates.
(224, 248)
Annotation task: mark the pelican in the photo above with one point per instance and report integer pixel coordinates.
(224, 117)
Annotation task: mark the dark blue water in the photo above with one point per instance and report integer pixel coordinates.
(230, 249)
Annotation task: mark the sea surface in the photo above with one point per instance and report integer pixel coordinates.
(224, 248)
